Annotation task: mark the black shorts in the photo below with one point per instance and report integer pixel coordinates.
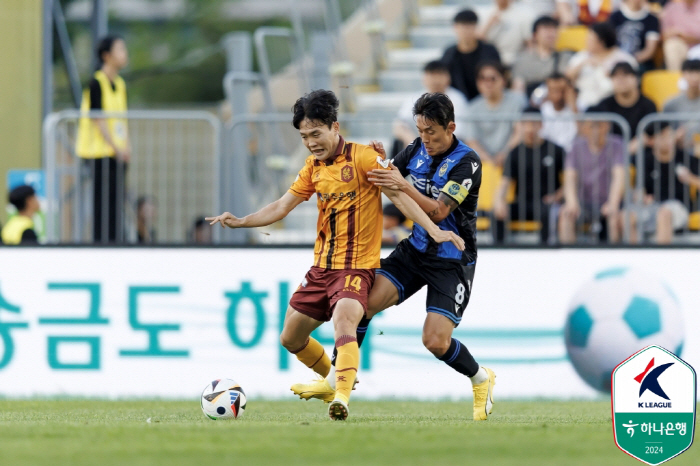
(449, 282)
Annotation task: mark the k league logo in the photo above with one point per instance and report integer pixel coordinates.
(653, 404)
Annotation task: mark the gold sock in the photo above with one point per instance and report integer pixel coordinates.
(346, 365)
(314, 357)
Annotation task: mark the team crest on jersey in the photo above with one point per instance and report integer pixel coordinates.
(443, 169)
(347, 173)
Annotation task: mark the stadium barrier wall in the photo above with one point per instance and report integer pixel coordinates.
(165, 322)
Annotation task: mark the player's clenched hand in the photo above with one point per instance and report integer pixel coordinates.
(442, 236)
(390, 179)
(378, 147)
(226, 219)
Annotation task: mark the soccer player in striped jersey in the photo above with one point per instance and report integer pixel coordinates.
(347, 248)
(443, 176)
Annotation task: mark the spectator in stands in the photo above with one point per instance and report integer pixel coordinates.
(586, 12)
(627, 101)
(508, 28)
(145, 219)
(590, 69)
(680, 28)
(20, 227)
(201, 232)
(534, 65)
(533, 169)
(558, 110)
(468, 52)
(688, 102)
(492, 140)
(395, 229)
(638, 32)
(594, 181)
(436, 78)
(668, 174)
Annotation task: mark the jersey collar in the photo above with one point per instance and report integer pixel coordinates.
(341, 150)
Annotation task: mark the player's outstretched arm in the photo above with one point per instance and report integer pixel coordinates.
(268, 215)
(413, 211)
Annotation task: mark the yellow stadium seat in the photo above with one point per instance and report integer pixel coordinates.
(490, 178)
(572, 38)
(660, 85)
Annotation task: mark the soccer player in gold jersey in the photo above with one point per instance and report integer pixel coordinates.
(348, 244)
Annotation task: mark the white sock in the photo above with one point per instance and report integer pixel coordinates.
(331, 377)
(481, 376)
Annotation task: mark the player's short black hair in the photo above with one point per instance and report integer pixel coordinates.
(691, 65)
(656, 127)
(390, 210)
(320, 106)
(466, 17)
(622, 67)
(532, 110)
(606, 34)
(496, 65)
(436, 66)
(436, 107)
(105, 45)
(546, 21)
(19, 195)
(557, 76)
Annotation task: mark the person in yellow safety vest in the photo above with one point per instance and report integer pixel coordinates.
(103, 143)
(20, 228)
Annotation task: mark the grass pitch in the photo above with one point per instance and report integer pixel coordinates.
(290, 433)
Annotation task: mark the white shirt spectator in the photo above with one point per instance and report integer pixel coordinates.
(594, 83)
(510, 32)
(558, 126)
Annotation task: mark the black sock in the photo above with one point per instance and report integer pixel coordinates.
(361, 332)
(460, 359)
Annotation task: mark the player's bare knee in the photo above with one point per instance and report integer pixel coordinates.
(290, 341)
(664, 215)
(436, 344)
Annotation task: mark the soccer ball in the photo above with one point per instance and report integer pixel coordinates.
(223, 399)
(615, 315)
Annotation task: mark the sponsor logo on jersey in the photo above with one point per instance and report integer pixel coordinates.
(325, 197)
(419, 163)
(467, 183)
(475, 167)
(443, 169)
(382, 162)
(347, 173)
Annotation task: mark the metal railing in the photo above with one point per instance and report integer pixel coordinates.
(664, 207)
(172, 178)
(270, 172)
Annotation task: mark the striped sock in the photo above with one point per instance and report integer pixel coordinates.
(460, 359)
(361, 332)
(346, 366)
(314, 357)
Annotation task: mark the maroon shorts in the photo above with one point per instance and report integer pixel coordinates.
(322, 288)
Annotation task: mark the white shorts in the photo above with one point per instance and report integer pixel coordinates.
(646, 215)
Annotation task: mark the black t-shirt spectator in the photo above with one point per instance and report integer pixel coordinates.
(96, 94)
(660, 178)
(633, 115)
(29, 237)
(463, 66)
(536, 172)
(632, 33)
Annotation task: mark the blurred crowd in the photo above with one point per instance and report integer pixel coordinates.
(556, 61)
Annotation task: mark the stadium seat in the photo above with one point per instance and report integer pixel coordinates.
(490, 178)
(660, 85)
(694, 221)
(572, 38)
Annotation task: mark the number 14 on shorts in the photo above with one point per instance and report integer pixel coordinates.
(354, 281)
